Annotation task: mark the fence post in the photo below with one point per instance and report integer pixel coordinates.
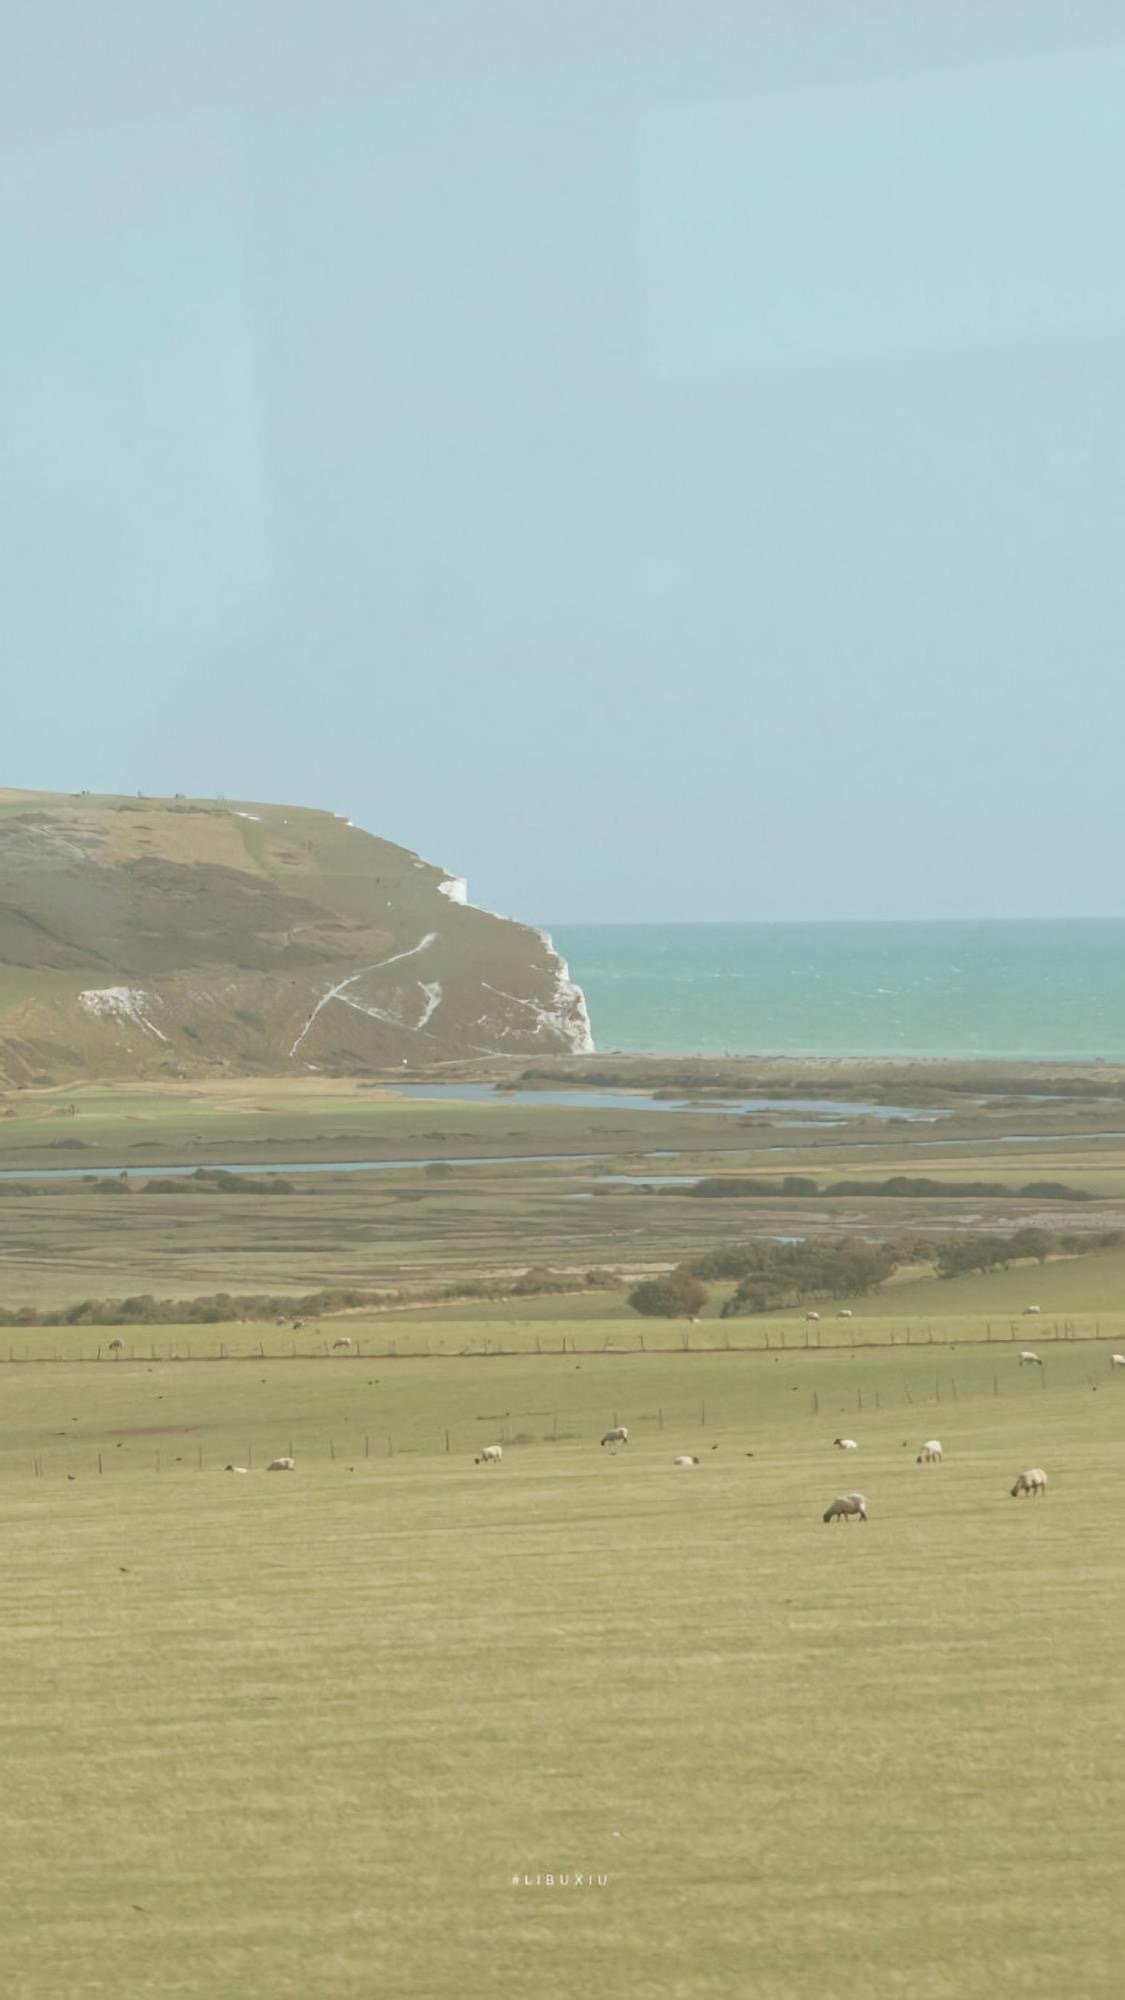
(815, 1404)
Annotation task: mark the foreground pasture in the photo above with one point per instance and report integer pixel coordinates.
(313, 1733)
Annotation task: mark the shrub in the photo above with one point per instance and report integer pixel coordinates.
(538, 1278)
(679, 1295)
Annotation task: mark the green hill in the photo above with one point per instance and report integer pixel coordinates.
(188, 936)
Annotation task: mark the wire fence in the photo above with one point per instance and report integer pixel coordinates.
(353, 1450)
(771, 1339)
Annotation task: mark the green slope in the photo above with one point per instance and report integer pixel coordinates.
(183, 936)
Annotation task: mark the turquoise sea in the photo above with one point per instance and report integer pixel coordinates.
(1046, 990)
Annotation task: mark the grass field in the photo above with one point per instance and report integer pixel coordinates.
(332, 1732)
(322, 1733)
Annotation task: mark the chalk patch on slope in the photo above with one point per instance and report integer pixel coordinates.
(568, 1016)
(433, 1002)
(120, 1003)
(340, 992)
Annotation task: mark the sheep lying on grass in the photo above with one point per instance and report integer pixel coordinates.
(846, 1444)
(685, 1461)
(281, 1465)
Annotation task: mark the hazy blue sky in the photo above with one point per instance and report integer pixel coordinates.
(660, 458)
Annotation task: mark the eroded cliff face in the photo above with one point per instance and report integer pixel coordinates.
(180, 936)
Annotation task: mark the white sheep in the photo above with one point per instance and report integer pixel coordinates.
(846, 1444)
(930, 1453)
(846, 1504)
(117, 1346)
(343, 1342)
(1033, 1482)
(281, 1465)
(619, 1435)
(1117, 1360)
(844, 1313)
(490, 1454)
(236, 1468)
(1030, 1311)
(812, 1315)
(1027, 1355)
(685, 1461)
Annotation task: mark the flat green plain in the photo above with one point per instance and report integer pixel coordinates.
(360, 1728)
(332, 1731)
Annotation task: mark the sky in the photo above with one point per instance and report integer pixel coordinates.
(662, 461)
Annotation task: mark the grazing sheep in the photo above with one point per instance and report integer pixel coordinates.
(1030, 1311)
(812, 1315)
(685, 1461)
(846, 1444)
(236, 1468)
(930, 1453)
(1027, 1355)
(345, 1342)
(490, 1454)
(844, 1313)
(281, 1465)
(117, 1346)
(297, 1325)
(1033, 1481)
(619, 1435)
(1117, 1360)
(846, 1504)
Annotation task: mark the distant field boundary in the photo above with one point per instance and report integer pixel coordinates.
(1064, 1335)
